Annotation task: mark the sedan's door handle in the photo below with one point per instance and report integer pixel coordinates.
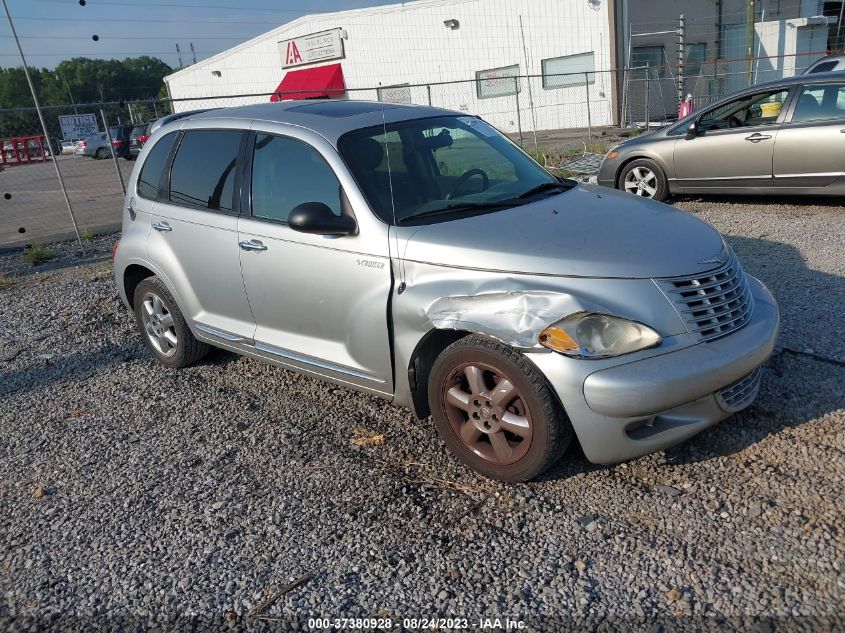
(252, 245)
(757, 137)
(162, 226)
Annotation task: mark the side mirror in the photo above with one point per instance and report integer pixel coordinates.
(692, 131)
(317, 218)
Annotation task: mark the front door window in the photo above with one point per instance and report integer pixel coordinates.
(762, 108)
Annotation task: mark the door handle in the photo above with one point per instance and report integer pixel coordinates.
(252, 245)
(757, 137)
(162, 226)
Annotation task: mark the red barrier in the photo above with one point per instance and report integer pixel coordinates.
(22, 150)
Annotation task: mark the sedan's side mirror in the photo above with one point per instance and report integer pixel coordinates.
(318, 218)
(692, 130)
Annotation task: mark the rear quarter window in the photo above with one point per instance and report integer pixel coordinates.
(153, 167)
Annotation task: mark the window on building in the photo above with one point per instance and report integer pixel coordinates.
(150, 176)
(651, 57)
(287, 173)
(203, 173)
(694, 56)
(497, 82)
(570, 70)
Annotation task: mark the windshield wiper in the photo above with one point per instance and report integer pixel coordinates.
(565, 185)
(453, 208)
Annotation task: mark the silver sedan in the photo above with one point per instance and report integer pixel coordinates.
(785, 137)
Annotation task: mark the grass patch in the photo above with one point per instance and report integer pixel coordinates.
(5, 282)
(36, 254)
(87, 234)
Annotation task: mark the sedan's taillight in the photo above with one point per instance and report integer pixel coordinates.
(116, 143)
(142, 139)
(84, 143)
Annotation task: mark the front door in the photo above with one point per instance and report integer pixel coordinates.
(810, 148)
(734, 145)
(194, 235)
(320, 303)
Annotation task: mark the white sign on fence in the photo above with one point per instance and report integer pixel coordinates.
(497, 82)
(395, 94)
(78, 126)
(316, 47)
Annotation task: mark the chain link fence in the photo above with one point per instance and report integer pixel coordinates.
(557, 118)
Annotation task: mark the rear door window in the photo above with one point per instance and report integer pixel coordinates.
(203, 172)
(820, 103)
(153, 167)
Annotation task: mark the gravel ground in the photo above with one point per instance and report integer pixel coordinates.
(133, 496)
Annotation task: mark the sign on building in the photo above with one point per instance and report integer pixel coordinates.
(395, 94)
(78, 126)
(308, 49)
(497, 82)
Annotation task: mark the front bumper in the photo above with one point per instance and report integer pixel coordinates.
(641, 406)
(606, 175)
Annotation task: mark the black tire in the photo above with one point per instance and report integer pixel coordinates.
(534, 403)
(187, 349)
(101, 154)
(659, 183)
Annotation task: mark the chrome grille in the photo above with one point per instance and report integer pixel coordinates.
(712, 304)
(740, 394)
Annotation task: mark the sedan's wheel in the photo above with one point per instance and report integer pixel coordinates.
(644, 178)
(495, 411)
(102, 153)
(165, 332)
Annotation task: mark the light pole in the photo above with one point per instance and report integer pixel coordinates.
(43, 125)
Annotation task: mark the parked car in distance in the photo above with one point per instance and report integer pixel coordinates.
(139, 135)
(120, 139)
(783, 137)
(417, 254)
(95, 146)
(826, 64)
(68, 147)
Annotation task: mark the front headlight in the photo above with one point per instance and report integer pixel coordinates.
(593, 335)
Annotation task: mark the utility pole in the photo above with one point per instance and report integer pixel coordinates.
(193, 52)
(179, 52)
(681, 46)
(69, 93)
(749, 37)
(719, 28)
(43, 125)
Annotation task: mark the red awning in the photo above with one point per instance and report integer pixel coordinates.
(311, 83)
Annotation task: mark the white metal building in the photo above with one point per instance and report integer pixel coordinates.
(408, 52)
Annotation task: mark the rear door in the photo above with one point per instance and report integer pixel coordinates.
(734, 145)
(810, 147)
(194, 238)
(320, 303)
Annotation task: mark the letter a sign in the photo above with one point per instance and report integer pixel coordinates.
(308, 49)
(293, 57)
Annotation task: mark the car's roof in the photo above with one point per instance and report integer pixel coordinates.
(331, 119)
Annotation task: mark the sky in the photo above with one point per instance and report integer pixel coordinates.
(53, 30)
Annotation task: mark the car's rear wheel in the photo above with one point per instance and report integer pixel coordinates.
(163, 327)
(101, 153)
(495, 411)
(644, 177)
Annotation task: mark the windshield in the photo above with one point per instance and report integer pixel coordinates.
(452, 163)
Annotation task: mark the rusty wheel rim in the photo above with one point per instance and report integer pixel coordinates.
(487, 413)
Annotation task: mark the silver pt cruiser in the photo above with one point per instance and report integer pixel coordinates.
(417, 254)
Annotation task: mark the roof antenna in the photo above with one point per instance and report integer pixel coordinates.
(401, 288)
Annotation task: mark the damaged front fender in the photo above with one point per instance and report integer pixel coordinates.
(515, 318)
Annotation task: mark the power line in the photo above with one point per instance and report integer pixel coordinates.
(206, 6)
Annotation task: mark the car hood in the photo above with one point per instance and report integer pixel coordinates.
(585, 232)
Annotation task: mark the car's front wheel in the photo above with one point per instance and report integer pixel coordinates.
(101, 154)
(161, 323)
(644, 177)
(495, 411)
